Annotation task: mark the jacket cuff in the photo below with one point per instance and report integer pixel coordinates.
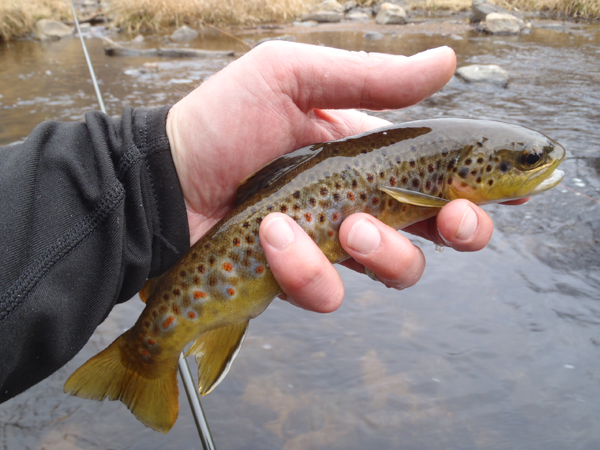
(171, 229)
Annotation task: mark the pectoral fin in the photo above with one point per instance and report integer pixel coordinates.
(414, 198)
(215, 350)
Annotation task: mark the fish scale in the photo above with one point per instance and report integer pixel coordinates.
(400, 174)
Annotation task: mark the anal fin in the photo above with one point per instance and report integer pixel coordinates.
(215, 350)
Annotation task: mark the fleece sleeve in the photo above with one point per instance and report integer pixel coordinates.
(88, 212)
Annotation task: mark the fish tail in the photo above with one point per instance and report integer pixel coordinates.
(154, 401)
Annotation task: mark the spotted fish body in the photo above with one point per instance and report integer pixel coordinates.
(400, 174)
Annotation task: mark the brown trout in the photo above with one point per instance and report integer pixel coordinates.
(400, 174)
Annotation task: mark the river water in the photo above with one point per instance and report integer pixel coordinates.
(494, 350)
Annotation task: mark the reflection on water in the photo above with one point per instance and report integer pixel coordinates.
(492, 350)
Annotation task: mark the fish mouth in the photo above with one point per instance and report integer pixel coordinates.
(555, 178)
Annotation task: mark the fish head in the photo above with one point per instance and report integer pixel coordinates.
(507, 163)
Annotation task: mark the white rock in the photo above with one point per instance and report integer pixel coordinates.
(51, 29)
(496, 23)
(390, 14)
(357, 16)
(484, 73)
(184, 33)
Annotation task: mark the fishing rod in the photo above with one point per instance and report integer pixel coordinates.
(184, 368)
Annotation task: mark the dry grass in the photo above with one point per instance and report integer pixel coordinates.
(17, 17)
(134, 15)
(589, 9)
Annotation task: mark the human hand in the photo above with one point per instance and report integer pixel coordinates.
(284, 96)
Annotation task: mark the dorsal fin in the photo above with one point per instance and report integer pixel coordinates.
(215, 350)
(272, 172)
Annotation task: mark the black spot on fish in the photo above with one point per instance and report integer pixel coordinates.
(504, 166)
(363, 196)
(463, 172)
(313, 201)
(490, 182)
(416, 183)
(296, 194)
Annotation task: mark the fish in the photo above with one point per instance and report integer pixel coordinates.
(399, 174)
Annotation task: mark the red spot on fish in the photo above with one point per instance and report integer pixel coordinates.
(151, 341)
(192, 315)
(390, 202)
(231, 291)
(260, 269)
(375, 201)
(370, 177)
(144, 352)
(308, 216)
(335, 216)
(228, 266)
(350, 196)
(236, 242)
(393, 181)
(330, 233)
(168, 322)
(199, 294)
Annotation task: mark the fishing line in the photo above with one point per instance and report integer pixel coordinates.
(184, 368)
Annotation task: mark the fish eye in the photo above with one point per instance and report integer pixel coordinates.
(531, 158)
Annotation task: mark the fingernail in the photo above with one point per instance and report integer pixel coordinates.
(468, 224)
(364, 237)
(429, 53)
(279, 234)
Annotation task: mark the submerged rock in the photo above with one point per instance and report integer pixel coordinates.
(183, 34)
(390, 13)
(373, 35)
(491, 73)
(480, 9)
(496, 23)
(51, 29)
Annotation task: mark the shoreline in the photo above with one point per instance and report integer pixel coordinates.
(22, 24)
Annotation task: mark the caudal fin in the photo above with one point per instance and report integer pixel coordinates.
(154, 401)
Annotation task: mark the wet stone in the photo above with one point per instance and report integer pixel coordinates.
(484, 73)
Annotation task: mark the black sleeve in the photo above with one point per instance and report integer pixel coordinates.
(88, 211)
